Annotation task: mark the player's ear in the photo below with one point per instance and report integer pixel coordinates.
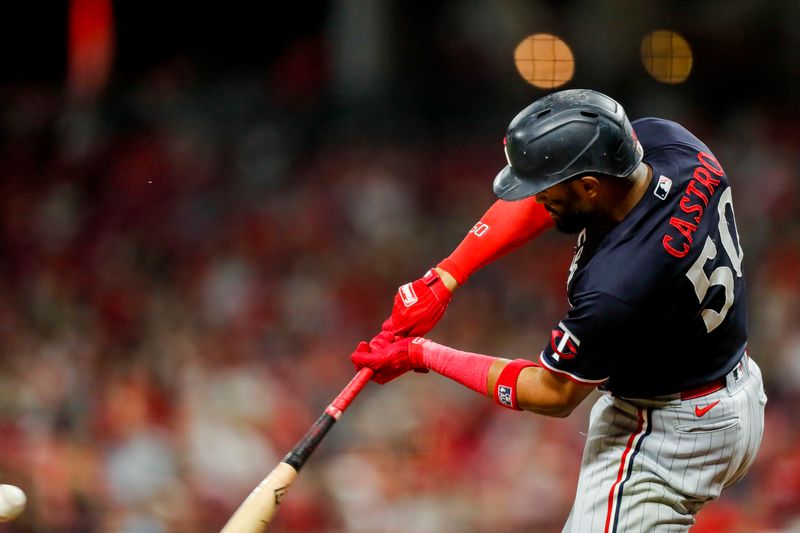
(586, 186)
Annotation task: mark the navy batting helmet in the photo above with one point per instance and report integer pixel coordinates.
(564, 135)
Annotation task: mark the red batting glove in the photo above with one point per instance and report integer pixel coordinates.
(418, 306)
(384, 338)
(394, 360)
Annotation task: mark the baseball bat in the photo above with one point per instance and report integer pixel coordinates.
(258, 509)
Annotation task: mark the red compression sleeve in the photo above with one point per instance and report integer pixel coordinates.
(506, 226)
(469, 369)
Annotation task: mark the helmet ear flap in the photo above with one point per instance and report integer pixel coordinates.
(619, 153)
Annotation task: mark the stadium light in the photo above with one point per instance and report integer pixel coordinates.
(544, 60)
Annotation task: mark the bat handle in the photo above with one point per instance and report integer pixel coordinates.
(303, 450)
(342, 401)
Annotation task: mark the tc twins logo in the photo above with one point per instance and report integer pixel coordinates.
(563, 343)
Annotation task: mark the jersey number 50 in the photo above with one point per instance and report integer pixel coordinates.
(721, 275)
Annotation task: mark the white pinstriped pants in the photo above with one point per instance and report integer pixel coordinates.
(651, 465)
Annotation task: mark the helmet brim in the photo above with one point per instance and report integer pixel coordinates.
(508, 186)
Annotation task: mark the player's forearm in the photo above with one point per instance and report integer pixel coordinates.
(530, 388)
(504, 227)
(419, 305)
(539, 391)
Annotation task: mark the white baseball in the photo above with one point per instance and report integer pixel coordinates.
(12, 502)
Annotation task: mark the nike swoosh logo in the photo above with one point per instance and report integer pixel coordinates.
(700, 411)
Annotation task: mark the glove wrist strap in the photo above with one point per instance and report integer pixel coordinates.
(436, 285)
(416, 354)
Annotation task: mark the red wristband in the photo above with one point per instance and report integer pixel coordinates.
(505, 389)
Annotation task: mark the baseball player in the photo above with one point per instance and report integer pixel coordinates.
(656, 318)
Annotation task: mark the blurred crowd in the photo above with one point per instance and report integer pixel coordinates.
(186, 268)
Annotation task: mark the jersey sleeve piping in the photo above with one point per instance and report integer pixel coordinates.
(569, 375)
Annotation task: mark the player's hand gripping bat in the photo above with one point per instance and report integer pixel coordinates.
(257, 510)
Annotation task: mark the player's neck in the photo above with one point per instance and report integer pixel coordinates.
(631, 194)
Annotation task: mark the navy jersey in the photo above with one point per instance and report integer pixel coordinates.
(657, 303)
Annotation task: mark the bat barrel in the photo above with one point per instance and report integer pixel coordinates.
(258, 509)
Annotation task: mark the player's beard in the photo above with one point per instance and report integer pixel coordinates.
(573, 222)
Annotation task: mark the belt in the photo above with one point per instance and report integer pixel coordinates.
(704, 390)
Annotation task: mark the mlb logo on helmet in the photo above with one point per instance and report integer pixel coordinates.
(504, 395)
